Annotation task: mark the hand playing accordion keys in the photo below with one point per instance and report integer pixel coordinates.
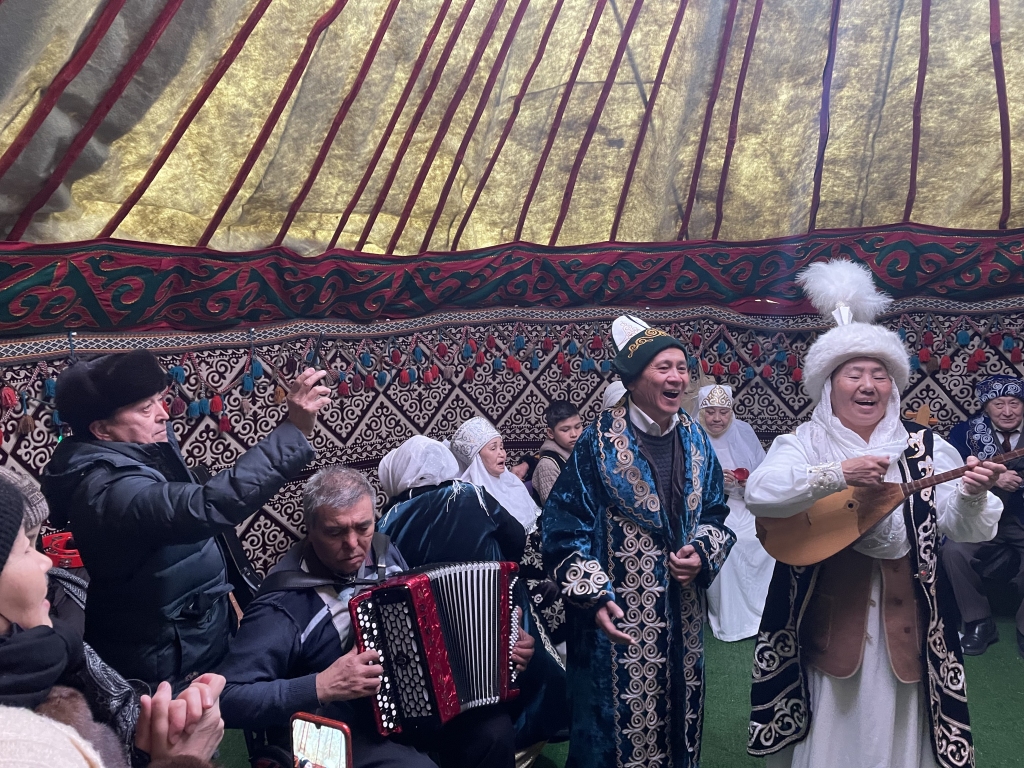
(445, 635)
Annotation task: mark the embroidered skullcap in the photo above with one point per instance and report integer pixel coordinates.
(845, 292)
(614, 392)
(999, 386)
(468, 439)
(36, 508)
(636, 344)
(715, 396)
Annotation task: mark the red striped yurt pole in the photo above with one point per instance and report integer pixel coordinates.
(595, 118)
(124, 77)
(915, 143)
(735, 118)
(56, 89)
(449, 115)
(560, 112)
(823, 118)
(485, 95)
(283, 97)
(186, 119)
(648, 112)
(507, 129)
(339, 118)
(716, 85)
(396, 113)
(995, 38)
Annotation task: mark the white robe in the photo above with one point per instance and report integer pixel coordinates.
(736, 597)
(870, 720)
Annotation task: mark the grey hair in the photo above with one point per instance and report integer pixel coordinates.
(335, 487)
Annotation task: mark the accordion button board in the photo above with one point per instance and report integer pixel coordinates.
(445, 636)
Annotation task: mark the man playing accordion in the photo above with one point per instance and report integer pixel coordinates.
(294, 651)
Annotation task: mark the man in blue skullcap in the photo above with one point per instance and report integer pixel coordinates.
(995, 430)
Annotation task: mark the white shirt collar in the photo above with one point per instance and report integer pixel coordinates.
(645, 423)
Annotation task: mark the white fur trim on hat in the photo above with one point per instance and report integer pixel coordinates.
(845, 292)
(846, 342)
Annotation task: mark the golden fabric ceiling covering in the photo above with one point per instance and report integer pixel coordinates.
(412, 125)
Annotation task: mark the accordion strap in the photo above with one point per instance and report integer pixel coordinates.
(292, 581)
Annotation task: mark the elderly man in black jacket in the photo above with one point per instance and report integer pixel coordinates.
(157, 607)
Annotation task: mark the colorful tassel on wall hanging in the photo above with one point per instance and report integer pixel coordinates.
(8, 398)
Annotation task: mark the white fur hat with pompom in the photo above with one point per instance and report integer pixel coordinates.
(845, 292)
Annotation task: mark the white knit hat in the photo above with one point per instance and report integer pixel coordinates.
(845, 292)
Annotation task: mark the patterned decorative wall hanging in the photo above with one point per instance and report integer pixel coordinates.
(394, 379)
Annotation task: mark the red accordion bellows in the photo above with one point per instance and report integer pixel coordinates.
(445, 635)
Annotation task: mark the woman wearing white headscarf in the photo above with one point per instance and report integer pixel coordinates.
(478, 447)
(437, 518)
(433, 517)
(481, 454)
(736, 597)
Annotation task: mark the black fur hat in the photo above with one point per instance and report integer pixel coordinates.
(91, 390)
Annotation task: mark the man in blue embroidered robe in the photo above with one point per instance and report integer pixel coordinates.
(633, 534)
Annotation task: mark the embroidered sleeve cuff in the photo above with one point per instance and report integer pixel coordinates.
(583, 582)
(826, 479)
(967, 503)
(712, 545)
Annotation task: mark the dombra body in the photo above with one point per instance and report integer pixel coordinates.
(835, 522)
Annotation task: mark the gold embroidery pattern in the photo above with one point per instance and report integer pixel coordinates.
(649, 335)
(693, 609)
(584, 579)
(645, 734)
(646, 498)
(714, 545)
(693, 499)
(951, 738)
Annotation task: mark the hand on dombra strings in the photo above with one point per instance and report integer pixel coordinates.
(305, 398)
(981, 476)
(684, 565)
(865, 471)
(605, 618)
(353, 676)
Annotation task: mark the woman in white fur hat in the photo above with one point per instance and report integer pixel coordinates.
(857, 661)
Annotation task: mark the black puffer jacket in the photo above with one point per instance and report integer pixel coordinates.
(157, 607)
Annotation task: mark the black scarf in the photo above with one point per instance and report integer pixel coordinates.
(32, 661)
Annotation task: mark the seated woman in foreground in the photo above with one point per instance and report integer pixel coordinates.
(46, 668)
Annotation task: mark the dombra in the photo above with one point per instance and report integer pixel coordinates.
(838, 520)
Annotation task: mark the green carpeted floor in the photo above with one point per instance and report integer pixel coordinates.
(995, 685)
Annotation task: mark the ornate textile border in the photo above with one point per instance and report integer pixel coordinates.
(113, 285)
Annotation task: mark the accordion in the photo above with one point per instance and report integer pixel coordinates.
(445, 635)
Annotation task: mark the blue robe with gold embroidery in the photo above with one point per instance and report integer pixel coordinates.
(608, 537)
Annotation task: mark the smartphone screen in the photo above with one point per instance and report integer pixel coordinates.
(319, 745)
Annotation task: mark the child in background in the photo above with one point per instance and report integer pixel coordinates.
(564, 427)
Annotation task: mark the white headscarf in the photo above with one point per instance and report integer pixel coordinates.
(826, 440)
(612, 394)
(508, 489)
(417, 462)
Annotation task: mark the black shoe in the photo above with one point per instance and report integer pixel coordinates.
(1020, 643)
(979, 635)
